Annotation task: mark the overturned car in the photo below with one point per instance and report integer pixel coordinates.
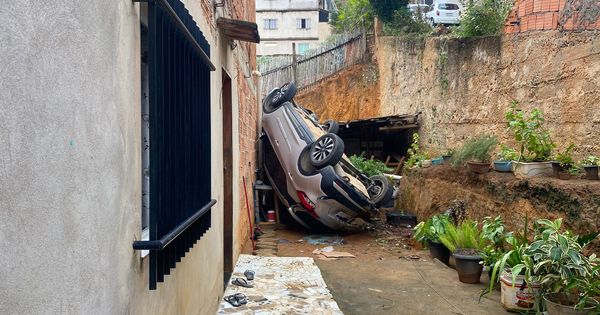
(306, 165)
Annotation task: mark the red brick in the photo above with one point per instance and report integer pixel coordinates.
(539, 22)
(554, 5)
(561, 4)
(521, 9)
(546, 5)
(528, 7)
(537, 5)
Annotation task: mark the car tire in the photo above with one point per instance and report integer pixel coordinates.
(327, 150)
(278, 96)
(331, 126)
(382, 192)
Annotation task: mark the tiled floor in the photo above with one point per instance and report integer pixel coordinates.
(282, 285)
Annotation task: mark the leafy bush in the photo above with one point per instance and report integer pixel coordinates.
(565, 158)
(534, 140)
(462, 237)
(385, 9)
(352, 15)
(591, 160)
(369, 167)
(405, 22)
(431, 229)
(415, 156)
(484, 18)
(478, 149)
(507, 153)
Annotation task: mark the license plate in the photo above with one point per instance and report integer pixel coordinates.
(449, 14)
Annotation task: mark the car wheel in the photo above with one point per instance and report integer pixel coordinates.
(380, 191)
(278, 96)
(327, 150)
(331, 126)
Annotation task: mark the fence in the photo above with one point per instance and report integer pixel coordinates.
(315, 65)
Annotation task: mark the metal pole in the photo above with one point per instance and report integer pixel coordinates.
(294, 64)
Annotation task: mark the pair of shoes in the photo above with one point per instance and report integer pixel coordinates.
(236, 300)
(242, 283)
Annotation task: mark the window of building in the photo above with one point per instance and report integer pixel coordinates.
(303, 23)
(176, 136)
(303, 48)
(270, 24)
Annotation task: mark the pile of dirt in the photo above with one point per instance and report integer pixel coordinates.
(425, 192)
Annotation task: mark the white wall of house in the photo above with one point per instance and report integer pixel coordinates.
(70, 166)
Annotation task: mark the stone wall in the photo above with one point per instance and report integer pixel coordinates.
(463, 87)
(535, 15)
(352, 93)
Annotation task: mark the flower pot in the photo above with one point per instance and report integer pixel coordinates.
(478, 167)
(591, 172)
(398, 218)
(503, 166)
(532, 169)
(426, 163)
(517, 296)
(437, 161)
(452, 262)
(439, 251)
(446, 158)
(563, 304)
(468, 267)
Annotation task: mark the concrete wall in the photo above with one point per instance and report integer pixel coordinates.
(70, 163)
(463, 87)
(279, 41)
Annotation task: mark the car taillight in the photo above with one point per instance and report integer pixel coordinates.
(437, 12)
(308, 204)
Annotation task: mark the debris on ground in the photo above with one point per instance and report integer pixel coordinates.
(329, 253)
(317, 239)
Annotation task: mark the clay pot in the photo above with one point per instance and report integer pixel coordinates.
(556, 305)
(478, 167)
(439, 251)
(591, 172)
(468, 267)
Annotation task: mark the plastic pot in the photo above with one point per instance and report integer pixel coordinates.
(446, 158)
(478, 167)
(555, 305)
(591, 172)
(437, 161)
(517, 296)
(398, 218)
(503, 166)
(439, 251)
(468, 267)
(532, 169)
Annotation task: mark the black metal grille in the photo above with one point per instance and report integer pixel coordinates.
(180, 165)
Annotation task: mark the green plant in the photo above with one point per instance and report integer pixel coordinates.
(559, 264)
(591, 161)
(465, 236)
(405, 22)
(369, 167)
(449, 152)
(493, 231)
(431, 229)
(565, 158)
(385, 9)
(507, 153)
(478, 149)
(352, 15)
(483, 18)
(415, 156)
(534, 140)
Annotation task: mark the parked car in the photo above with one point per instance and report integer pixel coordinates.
(444, 12)
(305, 162)
(419, 10)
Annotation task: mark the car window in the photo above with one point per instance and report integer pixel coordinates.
(448, 6)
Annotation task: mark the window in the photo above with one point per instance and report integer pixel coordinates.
(303, 48)
(303, 23)
(175, 109)
(270, 24)
(448, 6)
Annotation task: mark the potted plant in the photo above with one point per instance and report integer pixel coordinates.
(590, 165)
(564, 166)
(428, 232)
(505, 158)
(465, 243)
(494, 234)
(415, 155)
(535, 143)
(448, 155)
(476, 153)
(568, 277)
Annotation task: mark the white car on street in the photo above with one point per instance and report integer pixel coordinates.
(445, 12)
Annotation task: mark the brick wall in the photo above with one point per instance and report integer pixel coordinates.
(537, 15)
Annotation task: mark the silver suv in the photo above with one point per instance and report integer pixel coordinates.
(306, 165)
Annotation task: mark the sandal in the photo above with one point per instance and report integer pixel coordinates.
(231, 299)
(241, 298)
(249, 274)
(242, 283)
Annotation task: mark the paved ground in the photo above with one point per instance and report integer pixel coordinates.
(384, 279)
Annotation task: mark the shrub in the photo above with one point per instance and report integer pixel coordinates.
(534, 140)
(431, 229)
(478, 149)
(415, 156)
(591, 160)
(369, 167)
(385, 9)
(484, 18)
(352, 15)
(405, 22)
(507, 153)
(464, 236)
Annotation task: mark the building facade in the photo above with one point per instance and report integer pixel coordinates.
(283, 22)
(86, 88)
